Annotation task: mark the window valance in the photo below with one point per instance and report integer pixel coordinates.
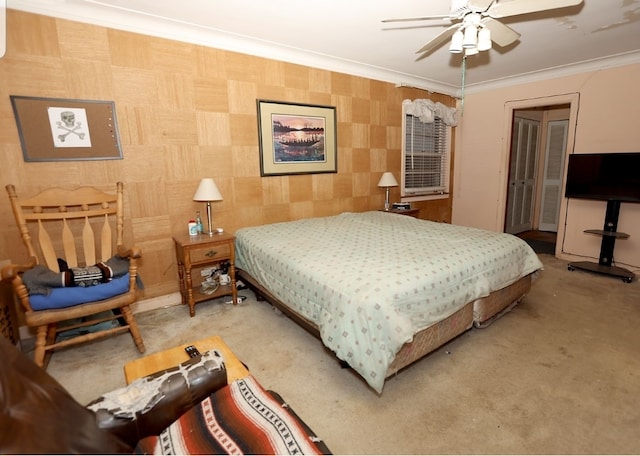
(427, 110)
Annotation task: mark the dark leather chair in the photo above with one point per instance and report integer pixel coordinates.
(38, 416)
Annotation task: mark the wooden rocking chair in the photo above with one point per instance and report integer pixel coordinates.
(58, 284)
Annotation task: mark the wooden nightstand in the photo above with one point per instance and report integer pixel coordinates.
(410, 212)
(198, 252)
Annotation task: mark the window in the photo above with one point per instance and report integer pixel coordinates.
(425, 153)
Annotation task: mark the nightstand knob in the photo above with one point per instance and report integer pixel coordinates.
(211, 253)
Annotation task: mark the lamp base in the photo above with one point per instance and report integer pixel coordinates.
(209, 220)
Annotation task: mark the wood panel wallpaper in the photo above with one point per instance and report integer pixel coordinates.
(186, 112)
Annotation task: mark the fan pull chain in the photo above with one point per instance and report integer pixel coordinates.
(464, 76)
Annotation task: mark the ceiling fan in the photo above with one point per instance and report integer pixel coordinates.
(475, 26)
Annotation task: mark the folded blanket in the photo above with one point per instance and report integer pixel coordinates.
(240, 418)
(40, 279)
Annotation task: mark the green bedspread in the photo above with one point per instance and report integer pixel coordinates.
(371, 280)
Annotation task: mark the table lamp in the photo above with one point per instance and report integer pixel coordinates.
(387, 180)
(208, 191)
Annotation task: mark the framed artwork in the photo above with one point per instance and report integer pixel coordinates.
(55, 129)
(296, 138)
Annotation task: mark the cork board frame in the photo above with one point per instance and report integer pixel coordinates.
(57, 129)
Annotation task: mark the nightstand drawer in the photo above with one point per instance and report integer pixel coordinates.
(210, 253)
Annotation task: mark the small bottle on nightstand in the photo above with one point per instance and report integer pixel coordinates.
(199, 226)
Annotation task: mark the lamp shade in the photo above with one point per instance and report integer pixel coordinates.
(471, 51)
(387, 180)
(456, 43)
(207, 191)
(484, 39)
(470, 39)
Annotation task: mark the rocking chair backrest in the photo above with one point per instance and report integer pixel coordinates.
(73, 225)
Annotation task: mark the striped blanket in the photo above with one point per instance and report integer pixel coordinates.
(241, 418)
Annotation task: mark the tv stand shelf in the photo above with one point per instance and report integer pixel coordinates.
(615, 234)
(609, 236)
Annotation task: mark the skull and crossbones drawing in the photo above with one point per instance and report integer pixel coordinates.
(70, 125)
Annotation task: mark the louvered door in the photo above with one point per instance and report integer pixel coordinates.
(524, 153)
(556, 146)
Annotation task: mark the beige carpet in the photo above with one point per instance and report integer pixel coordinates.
(559, 374)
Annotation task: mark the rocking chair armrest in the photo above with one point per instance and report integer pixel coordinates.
(150, 404)
(12, 271)
(129, 252)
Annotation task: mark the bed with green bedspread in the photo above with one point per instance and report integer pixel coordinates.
(370, 281)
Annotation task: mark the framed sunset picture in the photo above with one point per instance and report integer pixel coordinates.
(296, 138)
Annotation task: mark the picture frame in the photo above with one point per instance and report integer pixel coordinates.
(296, 138)
(58, 129)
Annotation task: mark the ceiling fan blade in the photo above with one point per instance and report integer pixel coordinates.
(410, 27)
(516, 7)
(411, 19)
(423, 56)
(438, 40)
(479, 6)
(501, 34)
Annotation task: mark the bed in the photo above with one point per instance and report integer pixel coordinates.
(381, 290)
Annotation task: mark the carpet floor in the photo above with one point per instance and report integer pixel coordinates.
(557, 375)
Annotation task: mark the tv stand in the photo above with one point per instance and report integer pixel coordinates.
(609, 236)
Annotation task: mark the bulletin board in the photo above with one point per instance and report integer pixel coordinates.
(56, 129)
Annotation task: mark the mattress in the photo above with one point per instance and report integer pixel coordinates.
(370, 281)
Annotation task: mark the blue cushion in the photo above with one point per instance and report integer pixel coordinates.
(66, 297)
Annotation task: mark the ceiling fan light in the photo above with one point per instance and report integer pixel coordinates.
(456, 43)
(484, 39)
(470, 39)
(471, 51)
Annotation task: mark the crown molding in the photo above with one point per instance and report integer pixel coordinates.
(613, 61)
(136, 22)
(121, 18)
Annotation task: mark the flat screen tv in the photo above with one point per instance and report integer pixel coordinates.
(610, 176)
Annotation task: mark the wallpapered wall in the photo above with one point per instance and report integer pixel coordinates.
(186, 112)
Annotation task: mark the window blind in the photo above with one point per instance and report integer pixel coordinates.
(425, 156)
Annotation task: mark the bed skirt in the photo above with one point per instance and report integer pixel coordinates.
(489, 308)
(431, 338)
(479, 313)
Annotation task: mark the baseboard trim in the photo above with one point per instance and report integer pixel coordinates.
(158, 302)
